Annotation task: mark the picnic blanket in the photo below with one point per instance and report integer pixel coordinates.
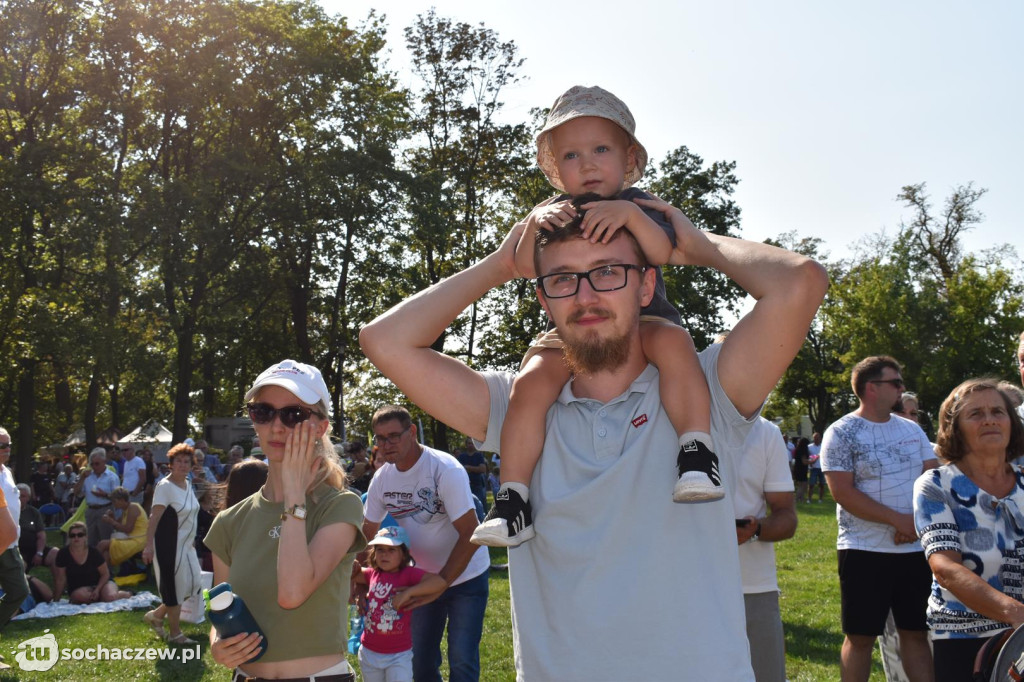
(142, 600)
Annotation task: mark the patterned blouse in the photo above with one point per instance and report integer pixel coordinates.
(953, 514)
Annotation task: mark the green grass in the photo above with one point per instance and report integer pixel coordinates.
(809, 601)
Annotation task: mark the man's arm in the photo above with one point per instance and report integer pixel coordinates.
(398, 343)
(780, 524)
(840, 484)
(458, 559)
(788, 288)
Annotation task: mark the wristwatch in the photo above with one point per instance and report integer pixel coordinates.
(297, 510)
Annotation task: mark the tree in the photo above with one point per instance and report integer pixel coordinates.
(704, 194)
(944, 315)
(462, 164)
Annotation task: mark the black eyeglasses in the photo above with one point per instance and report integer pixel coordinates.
(897, 383)
(291, 415)
(604, 278)
(76, 535)
(393, 438)
(5, 446)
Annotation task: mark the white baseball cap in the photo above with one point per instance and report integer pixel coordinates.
(305, 381)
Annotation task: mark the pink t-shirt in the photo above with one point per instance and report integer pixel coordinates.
(385, 630)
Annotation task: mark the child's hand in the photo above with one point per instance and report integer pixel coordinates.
(550, 216)
(543, 216)
(604, 218)
(686, 232)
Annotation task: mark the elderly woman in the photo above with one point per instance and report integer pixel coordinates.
(170, 539)
(81, 569)
(130, 529)
(287, 549)
(970, 516)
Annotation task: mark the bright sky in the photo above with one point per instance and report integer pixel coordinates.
(828, 109)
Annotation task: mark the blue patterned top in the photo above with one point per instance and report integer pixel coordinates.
(953, 514)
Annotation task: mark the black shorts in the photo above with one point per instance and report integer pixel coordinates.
(873, 583)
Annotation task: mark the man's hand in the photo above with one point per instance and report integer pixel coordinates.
(745, 532)
(905, 529)
(545, 215)
(686, 231)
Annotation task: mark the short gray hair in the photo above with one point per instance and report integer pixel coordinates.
(98, 453)
(23, 487)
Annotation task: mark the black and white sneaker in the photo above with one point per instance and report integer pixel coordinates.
(509, 522)
(699, 480)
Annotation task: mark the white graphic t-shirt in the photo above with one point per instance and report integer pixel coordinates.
(424, 501)
(885, 459)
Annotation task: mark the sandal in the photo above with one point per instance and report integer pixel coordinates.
(181, 639)
(155, 622)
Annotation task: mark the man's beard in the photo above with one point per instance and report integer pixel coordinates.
(590, 354)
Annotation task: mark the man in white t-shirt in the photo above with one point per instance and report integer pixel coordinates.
(871, 460)
(12, 568)
(817, 477)
(134, 478)
(620, 583)
(427, 492)
(763, 483)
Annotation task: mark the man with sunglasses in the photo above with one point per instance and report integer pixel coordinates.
(12, 569)
(871, 461)
(619, 582)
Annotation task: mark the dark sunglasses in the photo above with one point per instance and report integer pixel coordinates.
(896, 383)
(76, 535)
(291, 415)
(5, 446)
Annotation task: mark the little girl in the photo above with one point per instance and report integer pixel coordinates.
(385, 653)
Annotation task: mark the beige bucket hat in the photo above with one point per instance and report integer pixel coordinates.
(580, 101)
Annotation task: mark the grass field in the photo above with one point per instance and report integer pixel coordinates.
(807, 577)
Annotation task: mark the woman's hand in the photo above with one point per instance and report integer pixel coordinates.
(147, 555)
(299, 465)
(233, 651)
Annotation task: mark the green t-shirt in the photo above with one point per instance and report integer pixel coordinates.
(246, 537)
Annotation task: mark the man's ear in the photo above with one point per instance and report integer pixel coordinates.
(649, 282)
(543, 301)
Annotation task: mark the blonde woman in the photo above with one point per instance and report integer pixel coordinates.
(287, 549)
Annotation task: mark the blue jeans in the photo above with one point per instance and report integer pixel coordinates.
(462, 606)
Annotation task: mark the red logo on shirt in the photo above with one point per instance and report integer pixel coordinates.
(640, 421)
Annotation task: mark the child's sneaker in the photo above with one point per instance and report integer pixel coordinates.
(509, 522)
(698, 474)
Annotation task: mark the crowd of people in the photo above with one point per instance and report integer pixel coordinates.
(621, 442)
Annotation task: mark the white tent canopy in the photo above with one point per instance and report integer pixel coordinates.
(152, 435)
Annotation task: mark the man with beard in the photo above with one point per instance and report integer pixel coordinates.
(620, 582)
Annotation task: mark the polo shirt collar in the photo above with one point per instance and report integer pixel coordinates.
(641, 384)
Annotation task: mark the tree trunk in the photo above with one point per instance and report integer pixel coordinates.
(183, 383)
(92, 403)
(23, 440)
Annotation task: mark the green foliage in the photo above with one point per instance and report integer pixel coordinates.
(945, 315)
(704, 194)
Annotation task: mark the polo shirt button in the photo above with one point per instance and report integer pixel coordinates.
(602, 432)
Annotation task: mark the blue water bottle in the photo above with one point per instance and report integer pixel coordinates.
(229, 614)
